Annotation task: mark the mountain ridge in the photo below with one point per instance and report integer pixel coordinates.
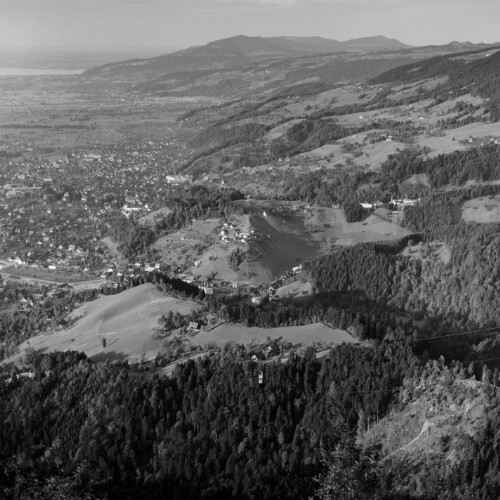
(237, 51)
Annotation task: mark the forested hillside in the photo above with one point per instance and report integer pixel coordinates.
(481, 76)
(216, 430)
(462, 294)
(475, 164)
(210, 431)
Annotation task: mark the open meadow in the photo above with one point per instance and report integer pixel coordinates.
(280, 237)
(298, 336)
(483, 210)
(120, 327)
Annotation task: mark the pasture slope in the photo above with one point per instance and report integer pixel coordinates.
(284, 241)
(298, 335)
(482, 210)
(149, 219)
(126, 321)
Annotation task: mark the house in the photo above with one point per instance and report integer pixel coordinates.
(405, 202)
(257, 356)
(371, 206)
(267, 351)
(193, 326)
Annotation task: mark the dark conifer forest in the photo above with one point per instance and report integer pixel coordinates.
(80, 429)
(210, 431)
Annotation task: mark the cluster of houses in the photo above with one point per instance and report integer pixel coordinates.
(396, 204)
(134, 205)
(54, 210)
(230, 233)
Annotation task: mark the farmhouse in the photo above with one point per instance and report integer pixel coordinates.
(372, 206)
(193, 326)
(404, 202)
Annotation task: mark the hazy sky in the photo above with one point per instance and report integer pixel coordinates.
(166, 23)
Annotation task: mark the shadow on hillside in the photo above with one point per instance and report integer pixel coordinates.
(109, 356)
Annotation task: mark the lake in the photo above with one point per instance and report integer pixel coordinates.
(37, 71)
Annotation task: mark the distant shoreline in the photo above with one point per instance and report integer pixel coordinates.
(5, 71)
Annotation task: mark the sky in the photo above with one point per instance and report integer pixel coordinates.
(183, 23)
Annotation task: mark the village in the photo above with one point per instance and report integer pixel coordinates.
(55, 211)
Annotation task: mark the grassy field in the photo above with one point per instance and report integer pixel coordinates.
(439, 251)
(295, 289)
(335, 98)
(42, 274)
(280, 130)
(450, 140)
(125, 321)
(443, 109)
(280, 242)
(281, 245)
(402, 92)
(297, 335)
(115, 254)
(286, 243)
(370, 155)
(342, 232)
(187, 245)
(422, 179)
(484, 209)
(150, 218)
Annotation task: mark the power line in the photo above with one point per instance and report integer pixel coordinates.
(469, 332)
(487, 359)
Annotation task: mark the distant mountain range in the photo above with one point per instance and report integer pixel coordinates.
(238, 51)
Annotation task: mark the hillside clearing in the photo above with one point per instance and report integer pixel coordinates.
(449, 141)
(185, 246)
(433, 426)
(415, 179)
(286, 240)
(280, 130)
(370, 155)
(149, 219)
(335, 98)
(402, 92)
(432, 251)
(115, 254)
(126, 322)
(372, 229)
(295, 290)
(274, 237)
(482, 210)
(298, 335)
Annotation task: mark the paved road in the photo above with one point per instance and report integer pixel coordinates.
(77, 285)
